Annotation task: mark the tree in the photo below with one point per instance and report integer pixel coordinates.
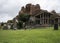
(24, 18)
(2, 24)
(53, 11)
(9, 21)
(19, 24)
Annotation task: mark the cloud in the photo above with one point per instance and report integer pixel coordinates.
(4, 17)
(10, 8)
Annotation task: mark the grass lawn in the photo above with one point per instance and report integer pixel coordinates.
(44, 35)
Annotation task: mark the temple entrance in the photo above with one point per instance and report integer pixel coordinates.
(43, 19)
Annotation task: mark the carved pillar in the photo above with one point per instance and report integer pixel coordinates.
(40, 19)
(48, 19)
(45, 21)
(43, 18)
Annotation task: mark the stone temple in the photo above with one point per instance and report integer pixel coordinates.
(38, 16)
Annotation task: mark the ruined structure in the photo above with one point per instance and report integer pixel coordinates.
(38, 16)
(30, 9)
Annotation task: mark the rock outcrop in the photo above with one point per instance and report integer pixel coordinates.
(30, 9)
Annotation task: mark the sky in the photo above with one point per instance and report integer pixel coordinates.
(10, 8)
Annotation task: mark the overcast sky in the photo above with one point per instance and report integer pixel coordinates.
(10, 8)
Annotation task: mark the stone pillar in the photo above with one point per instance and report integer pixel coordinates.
(43, 18)
(45, 21)
(40, 19)
(48, 20)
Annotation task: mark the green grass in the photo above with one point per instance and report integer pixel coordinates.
(44, 35)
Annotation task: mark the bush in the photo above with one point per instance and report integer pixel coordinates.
(19, 24)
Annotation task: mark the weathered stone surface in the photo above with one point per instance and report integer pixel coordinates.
(30, 9)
